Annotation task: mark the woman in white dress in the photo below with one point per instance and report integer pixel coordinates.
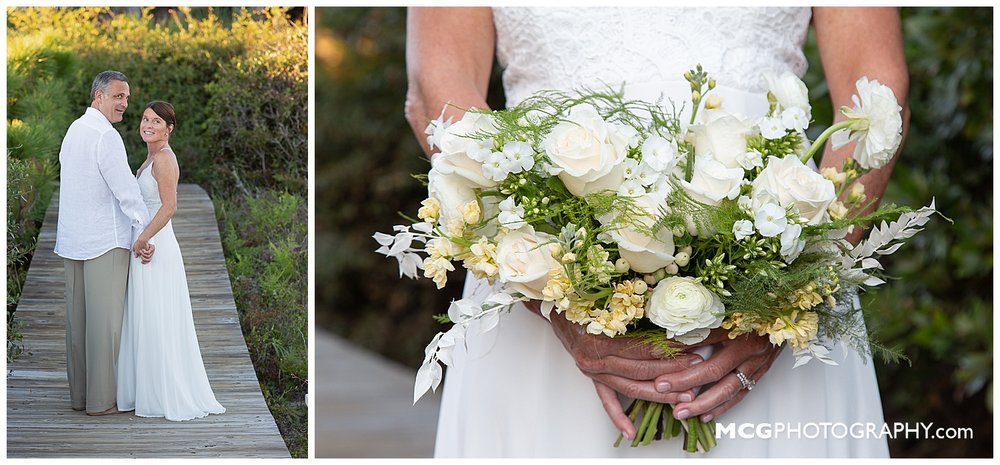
(160, 370)
(533, 393)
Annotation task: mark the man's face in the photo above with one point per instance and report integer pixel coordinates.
(113, 102)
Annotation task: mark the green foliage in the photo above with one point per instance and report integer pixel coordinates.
(266, 254)
(257, 121)
(238, 81)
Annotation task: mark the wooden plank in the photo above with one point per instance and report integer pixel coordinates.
(40, 422)
(364, 405)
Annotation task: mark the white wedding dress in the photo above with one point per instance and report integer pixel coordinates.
(520, 394)
(160, 370)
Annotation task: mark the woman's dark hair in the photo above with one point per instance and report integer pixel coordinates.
(164, 110)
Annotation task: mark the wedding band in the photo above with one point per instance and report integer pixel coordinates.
(748, 383)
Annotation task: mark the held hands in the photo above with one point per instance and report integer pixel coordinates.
(622, 365)
(143, 249)
(749, 354)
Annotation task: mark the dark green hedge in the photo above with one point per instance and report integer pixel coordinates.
(939, 310)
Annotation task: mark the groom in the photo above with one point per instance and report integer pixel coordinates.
(100, 212)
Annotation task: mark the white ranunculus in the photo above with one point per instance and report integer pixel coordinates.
(712, 181)
(791, 183)
(524, 261)
(790, 91)
(644, 253)
(878, 128)
(588, 151)
(722, 136)
(452, 192)
(791, 243)
(463, 155)
(685, 308)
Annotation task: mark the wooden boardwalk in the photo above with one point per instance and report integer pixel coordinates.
(40, 422)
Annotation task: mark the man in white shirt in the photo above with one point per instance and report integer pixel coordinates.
(100, 213)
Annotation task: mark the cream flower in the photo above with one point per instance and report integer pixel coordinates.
(685, 308)
(713, 181)
(481, 260)
(792, 184)
(789, 91)
(876, 125)
(430, 208)
(644, 252)
(722, 136)
(525, 261)
(797, 330)
(587, 152)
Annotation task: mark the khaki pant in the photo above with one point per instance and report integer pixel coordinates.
(95, 305)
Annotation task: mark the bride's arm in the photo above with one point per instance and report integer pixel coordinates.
(166, 173)
(449, 57)
(855, 42)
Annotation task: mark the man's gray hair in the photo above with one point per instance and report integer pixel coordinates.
(103, 81)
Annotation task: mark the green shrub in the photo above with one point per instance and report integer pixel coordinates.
(266, 254)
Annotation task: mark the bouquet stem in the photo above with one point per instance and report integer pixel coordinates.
(657, 422)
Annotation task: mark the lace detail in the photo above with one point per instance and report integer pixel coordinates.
(569, 48)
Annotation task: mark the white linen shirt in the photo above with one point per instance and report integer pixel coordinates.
(99, 198)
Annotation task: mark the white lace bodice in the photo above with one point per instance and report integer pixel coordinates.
(570, 48)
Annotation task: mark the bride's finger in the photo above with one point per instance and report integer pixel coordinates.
(720, 364)
(613, 406)
(642, 389)
(753, 374)
(636, 369)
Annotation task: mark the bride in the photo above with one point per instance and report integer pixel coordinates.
(160, 371)
(533, 394)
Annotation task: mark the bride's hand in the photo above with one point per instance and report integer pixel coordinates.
(750, 354)
(619, 365)
(143, 249)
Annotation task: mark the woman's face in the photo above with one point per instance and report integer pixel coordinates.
(152, 128)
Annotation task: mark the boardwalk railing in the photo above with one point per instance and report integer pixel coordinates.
(40, 422)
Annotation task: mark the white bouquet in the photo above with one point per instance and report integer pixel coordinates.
(633, 223)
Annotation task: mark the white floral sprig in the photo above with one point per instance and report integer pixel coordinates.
(885, 239)
(471, 319)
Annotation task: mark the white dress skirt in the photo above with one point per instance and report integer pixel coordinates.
(160, 370)
(518, 393)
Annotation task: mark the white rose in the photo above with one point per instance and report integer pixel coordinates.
(463, 155)
(685, 308)
(524, 261)
(792, 183)
(712, 181)
(587, 152)
(452, 192)
(790, 92)
(722, 136)
(644, 254)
